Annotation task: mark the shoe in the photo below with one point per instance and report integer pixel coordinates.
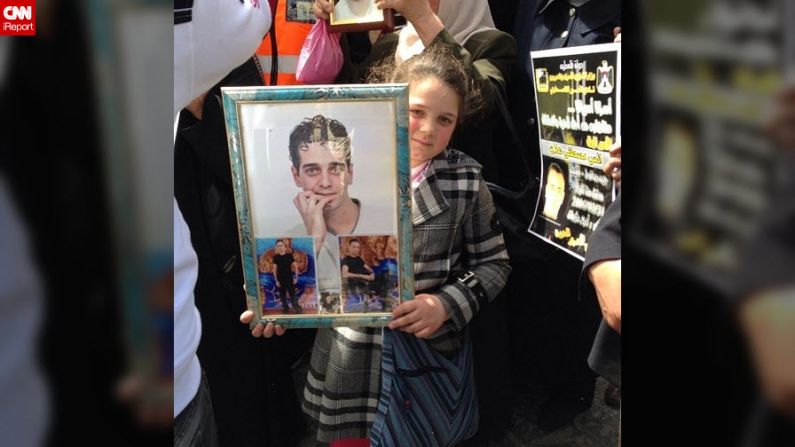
(612, 396)
(561, 409)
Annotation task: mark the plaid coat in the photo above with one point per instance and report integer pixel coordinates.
(455, 230)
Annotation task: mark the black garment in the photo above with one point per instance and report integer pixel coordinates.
(356, 265)
(258, 391)
(284, 267)
(284, 274)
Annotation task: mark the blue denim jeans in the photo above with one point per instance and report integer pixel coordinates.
(195, 425)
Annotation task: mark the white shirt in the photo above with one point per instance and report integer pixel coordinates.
(187, 323)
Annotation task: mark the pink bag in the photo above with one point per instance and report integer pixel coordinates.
(321, 56)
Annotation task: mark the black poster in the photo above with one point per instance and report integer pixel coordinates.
(578, 99)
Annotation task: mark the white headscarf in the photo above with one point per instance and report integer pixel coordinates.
(461, 18)
(220, 36)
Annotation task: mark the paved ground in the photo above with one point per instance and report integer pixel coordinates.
(597, 427)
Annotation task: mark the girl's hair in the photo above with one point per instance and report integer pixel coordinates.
(434, 61)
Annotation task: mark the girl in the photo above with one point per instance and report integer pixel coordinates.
(460, 263)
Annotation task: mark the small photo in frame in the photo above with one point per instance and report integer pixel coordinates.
(286, 269)
(360, 15)
(321, 184)
(368, 265)
(300, 11)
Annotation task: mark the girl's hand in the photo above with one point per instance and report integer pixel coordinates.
(421, 316)
(261, 330)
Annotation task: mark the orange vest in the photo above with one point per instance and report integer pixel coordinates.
(290, 38)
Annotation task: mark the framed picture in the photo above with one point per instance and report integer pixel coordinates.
(360, 15)
(300, 11)
(321, 181)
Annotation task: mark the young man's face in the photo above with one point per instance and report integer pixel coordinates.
(280, 249)
(554, 193)
(355, 249)
(323, 173)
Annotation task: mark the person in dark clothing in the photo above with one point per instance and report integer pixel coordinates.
(357, 272)
(286, 274)
(552, 329)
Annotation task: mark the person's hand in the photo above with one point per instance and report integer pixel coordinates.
(148, 399)
(412, 10)
(261, 330)
(310, 206)
(768, 320)
(606, 278)
(419, 13)
(617, 34)
(322, 8)
(421, 316)
(781, 127)
(295, 280)
(278, 284)
(613, 165)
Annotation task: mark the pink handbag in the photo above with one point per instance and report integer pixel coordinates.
(321, 59)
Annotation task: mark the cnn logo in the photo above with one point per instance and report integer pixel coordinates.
(18, 20)
(18, 12)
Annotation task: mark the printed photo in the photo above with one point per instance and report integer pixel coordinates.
(368, 268)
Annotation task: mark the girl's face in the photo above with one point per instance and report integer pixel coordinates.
(433, 113)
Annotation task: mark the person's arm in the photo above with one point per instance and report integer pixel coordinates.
(606, 278)
(371, 276)
(294, 266)
(602, 265)
(487, 260)
(457, 301)
(276, 274)
(346, 272)
(767, 318)
(489, 57)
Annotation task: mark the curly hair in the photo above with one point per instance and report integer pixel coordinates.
(319, 129)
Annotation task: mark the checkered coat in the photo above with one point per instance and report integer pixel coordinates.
(455, 229)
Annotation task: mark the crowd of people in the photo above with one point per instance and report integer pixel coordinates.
(458, 66)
